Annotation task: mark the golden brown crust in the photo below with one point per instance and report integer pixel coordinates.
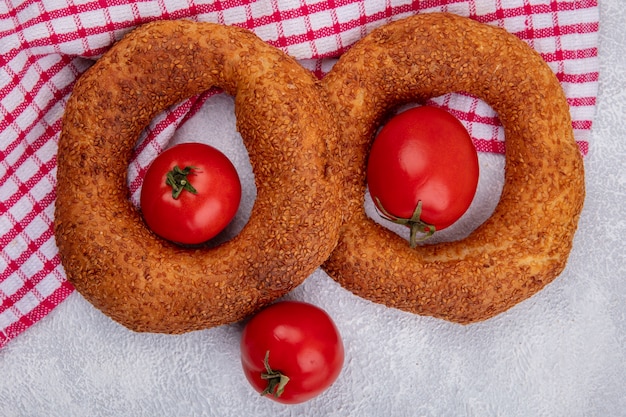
(108, 253)
(524, 245)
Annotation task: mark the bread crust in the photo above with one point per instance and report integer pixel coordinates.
(110, 256)
(525, 244)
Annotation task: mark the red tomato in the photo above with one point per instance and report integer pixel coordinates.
(190, 193)
(423, 170)
(292, 351)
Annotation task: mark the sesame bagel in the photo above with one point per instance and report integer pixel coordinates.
(525, 244)
(113, 259)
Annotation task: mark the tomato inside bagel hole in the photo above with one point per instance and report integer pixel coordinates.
(214, 124)
(426, 181)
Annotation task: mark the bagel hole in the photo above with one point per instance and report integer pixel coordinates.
(214, 124)
(490, 179)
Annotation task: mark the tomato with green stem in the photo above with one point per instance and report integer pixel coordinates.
(291, 351)
(423, 170)
(190, 193)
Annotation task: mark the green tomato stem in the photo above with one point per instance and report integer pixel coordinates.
(177, 179)
(415, 223)
(276, 380)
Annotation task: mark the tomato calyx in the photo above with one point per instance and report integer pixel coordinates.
(177, 179)
(276, 380)
(415, 223)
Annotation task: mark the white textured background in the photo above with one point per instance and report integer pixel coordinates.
(560, 353)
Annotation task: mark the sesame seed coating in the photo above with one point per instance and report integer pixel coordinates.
(113, 259)
(525, 244)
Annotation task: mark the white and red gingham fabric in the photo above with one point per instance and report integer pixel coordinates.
(45, 45)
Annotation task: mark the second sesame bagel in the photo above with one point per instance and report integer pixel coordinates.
(525, 244)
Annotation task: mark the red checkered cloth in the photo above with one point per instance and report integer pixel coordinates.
(46, 44)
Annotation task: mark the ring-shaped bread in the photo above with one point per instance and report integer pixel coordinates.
(110, 256)
(526, 242)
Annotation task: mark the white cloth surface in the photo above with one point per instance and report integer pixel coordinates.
(559, 353)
